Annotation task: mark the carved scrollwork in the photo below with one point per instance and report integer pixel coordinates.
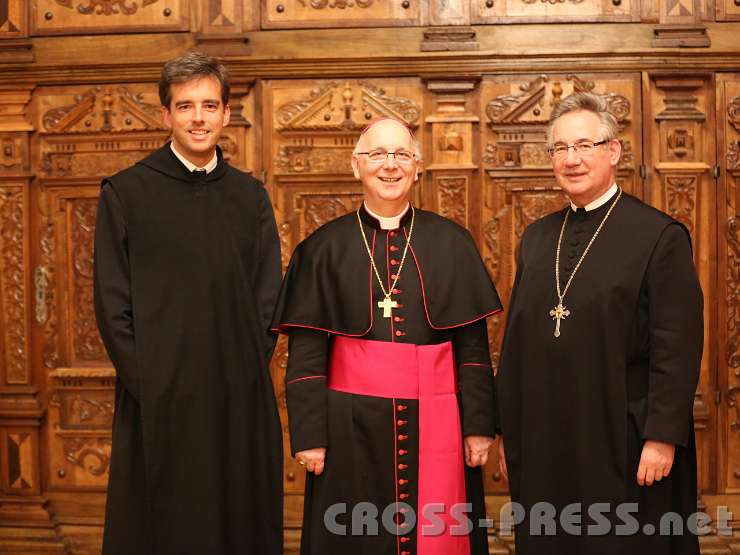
(92, 455)
(307, 159)
(732, 298)
(733, 155)
(105, 7)
(50, 347)
(290, 110)
(405, 107)
(319, 210)
(627, 158)
(339, 4)
(284, 232)
(13, 283)
(497, 108)
(452, 198)
(531, 206)
(617, 105)
(87, 342)
(681, 193)
(733, 113)
(491, 231)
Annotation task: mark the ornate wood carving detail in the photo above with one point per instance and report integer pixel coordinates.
(84, 409)
(733, 155)
(627, 158)
(680, 99)
(284, 232)
(732, 299)
(13, 152)
(20, 462)
(681, 202)
(105, 7)
(47, 243)
(12, 283)
(733, 113)
(104, 109)
(338, 4)
(90, 454)
(313, 159)
(680, 142)
(493, 256)
(509, 108)
(452, 198)
(529, 206)
(319, 209)
(318, 111)
(93, 158)
(86, 340)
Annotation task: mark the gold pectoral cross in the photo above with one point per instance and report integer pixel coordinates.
(559, 313)
(386, 304)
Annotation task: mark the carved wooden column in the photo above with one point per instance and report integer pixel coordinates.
(680, 157)
(21, 411)
(451, 172)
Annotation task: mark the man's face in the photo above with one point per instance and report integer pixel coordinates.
(196, 117)
(388, 182)
(584, 177)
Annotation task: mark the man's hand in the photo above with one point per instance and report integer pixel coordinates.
(655, 462)
(312, 459)
(502, 459)
(476, 450)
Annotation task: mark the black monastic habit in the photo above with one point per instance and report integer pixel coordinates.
(575, 410)
(444, 294)
(187, 271)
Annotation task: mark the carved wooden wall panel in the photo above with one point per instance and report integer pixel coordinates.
(525, 11)
(291, 14)
(680, 156)
(728, 327)
(64, 17)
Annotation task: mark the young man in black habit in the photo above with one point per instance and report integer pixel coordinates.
(187, 271)
(386, 311)
(601, 357)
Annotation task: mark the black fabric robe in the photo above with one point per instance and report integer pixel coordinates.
(575, 410)
(187, 271)
(445, 294)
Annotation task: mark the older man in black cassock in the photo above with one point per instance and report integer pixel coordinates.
(187, 271)
(601, 359)
(386, 311)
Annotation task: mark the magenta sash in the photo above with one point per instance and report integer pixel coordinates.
(426, 373)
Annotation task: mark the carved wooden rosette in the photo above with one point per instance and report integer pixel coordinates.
(680, 159)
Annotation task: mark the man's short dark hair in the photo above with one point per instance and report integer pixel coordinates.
(193, 65)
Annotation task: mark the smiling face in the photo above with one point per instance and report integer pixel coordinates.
(584, 178)
(385, 185)
(196, 115)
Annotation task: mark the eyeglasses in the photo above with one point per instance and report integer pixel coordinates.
(582, 148)
(379, 156)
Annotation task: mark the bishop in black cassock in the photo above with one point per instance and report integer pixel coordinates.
(370, 385)
(584, 413)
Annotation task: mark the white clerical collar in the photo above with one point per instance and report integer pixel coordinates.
(394, 222)
(601, 201)
(209, 167)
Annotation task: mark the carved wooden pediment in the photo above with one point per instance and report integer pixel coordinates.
(345, 108)
(104, 109)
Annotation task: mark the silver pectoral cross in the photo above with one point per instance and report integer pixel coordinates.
(386, 304)
(559, 313)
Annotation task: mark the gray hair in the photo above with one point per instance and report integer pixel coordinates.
(190, 66)
(415, 145)
(585, 102)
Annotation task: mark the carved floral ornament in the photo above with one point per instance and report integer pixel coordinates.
(106, 7)
(733, 113)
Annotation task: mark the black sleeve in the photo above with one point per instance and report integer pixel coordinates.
(112, 289)
(676, 324)
(306, 388)
(475, 377)
(269, 274)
